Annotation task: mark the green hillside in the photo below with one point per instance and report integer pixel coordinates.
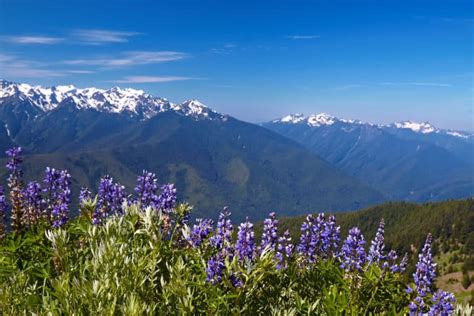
(406, 226)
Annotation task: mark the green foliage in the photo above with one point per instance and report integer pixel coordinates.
(132, 266)
(407, 224)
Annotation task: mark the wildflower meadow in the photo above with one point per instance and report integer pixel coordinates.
(140, 253)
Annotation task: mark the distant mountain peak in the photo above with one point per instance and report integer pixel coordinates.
(292, 118)
(313, 120)
(321, 119)
(325, 120)
(114, 100)
(424, 128)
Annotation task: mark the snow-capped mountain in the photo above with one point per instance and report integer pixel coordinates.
(211, 157)
(314, 120)
(114, 100)
(324, 119)
(405, 160)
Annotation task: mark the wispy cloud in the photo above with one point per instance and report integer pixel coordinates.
(226, 49)
(97, 37)
(152, 79)
(130, 59)
(33, 40)
(14, 68)
(348, 86)
(428, 84)
(80, 72)
(303, 37)
(431, 84)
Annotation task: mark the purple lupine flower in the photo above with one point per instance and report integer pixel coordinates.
(377, 247)
(284, 250)
(425, 269)
(33, 203)
(15, 184)
(200, 231)
(269, 235)
(417, 306)
(236, 280)
(61, 212)
(167, 198)
(245, 245)
(318, 242)
(424, 276)
(49, 188)
(222, 242)
(3, 213)
(146, 188)
(111, 196)
(319, 238)
(353, 254)
(331, 237)
(84, 195)
(305, 247)
(390, 262)
(214, 268)
(443, 304)
(14, 163)
(222, 239)
(403, 264)
(58, 196)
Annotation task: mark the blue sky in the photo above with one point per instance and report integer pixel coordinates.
(378, 61)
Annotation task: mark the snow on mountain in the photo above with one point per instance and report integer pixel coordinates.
(424, 128)
(114, 100)
(314, 120)
(292, 118)
(324, 119)
(427, 128)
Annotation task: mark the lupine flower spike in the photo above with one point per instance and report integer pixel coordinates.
(146, 189)
(353, 254)
(57, 186)
(269, 235)
(377, 247)
(15, 183)
(424, 276)
(167, 199)
(200, 231)
(3, 213)
(110, 199)
(33, 204)
(284, 250)
(245, 245)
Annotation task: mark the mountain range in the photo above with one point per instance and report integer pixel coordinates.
(291, 165)
(214, 159)
(405, 160)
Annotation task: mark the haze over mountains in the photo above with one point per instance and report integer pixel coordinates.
(293, 165)
(405, 160)
(215, 160)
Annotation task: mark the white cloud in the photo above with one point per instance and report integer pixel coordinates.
(97, 37)
(130, 59)
(303, 37)
(33, 40)
(152, 79)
